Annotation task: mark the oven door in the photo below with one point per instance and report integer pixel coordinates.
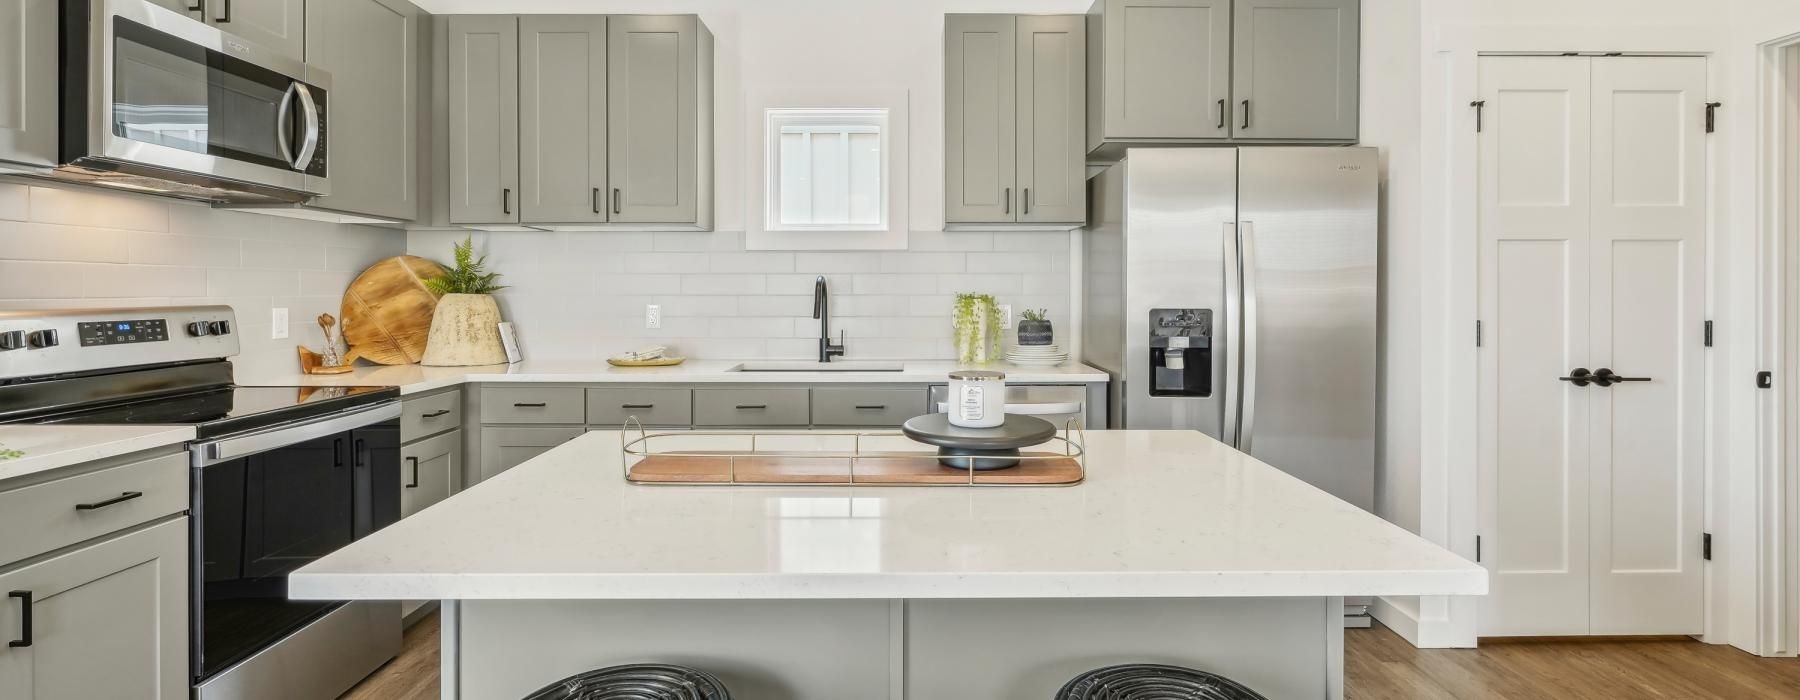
(174, 94)
(269, 502)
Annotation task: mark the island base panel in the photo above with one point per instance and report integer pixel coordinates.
(898, 650)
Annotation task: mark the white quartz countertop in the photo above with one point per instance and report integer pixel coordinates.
(417, 378)
(51, 446)
(1161, 514)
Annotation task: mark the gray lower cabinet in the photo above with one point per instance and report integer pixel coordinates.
(611, 408)
(759, 406)
(370, 47)
(562, 118)
(866, 407)
(429, 470)
(531, 404)
(1294, 68)
(276, 24)
(1015, 118)
(659, 119)
(28, 108)
(503, 448)
(484, 119)
(108, 620)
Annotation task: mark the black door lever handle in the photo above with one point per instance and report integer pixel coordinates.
(1580, 377)
(1605, 377)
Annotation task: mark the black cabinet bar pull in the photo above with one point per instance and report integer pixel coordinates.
(226, 17)
(872, 407)
(637, 405)
(1605, 378)
(534, 404)
(506, 200)
(436, 413)
(121, 498)
(24, 639)
(337, 452)
(594, 200)
(1579, 377)
(415, 473)
(751, 406)
(199, 6)
(1246, 115)
(1006, 200)
(615, 200)
(1027, 197)
(1221, 113)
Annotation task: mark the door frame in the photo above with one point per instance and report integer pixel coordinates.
(1777, 507)
(1448, 496)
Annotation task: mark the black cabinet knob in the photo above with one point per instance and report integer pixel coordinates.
(199, 328)
(45, 338)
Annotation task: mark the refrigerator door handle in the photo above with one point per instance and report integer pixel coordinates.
(1247, 258)
(1228, 329)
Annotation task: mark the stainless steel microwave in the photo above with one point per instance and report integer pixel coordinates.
(153, 99)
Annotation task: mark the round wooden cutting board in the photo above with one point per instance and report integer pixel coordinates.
(386, 312)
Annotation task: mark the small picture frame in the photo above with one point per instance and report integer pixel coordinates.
(510, 341)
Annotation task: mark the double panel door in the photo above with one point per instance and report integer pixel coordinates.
(1592, 214)
(1014, 118)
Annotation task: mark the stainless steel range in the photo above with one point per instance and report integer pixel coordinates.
(281, 476)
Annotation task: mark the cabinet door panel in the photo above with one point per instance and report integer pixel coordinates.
(108, 621)
(1168, 67)
(505, 448)
(276, 24)
(980, 120)
(371, 50)
(484, 119)
(562, 118)
(427, 471)
(1052, 118)
(28, 106)
(653, 109)
(1295, 62)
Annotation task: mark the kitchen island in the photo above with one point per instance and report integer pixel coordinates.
(1175, 549)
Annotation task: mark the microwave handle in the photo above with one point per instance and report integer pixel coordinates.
(310, 142)
(281, 123)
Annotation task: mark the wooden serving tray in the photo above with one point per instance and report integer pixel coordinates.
(921, 469)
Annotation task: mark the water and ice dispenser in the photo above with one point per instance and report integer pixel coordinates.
(1181, 352)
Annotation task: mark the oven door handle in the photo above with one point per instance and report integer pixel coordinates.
(232, 448)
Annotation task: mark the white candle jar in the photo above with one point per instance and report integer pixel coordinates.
(977, 399)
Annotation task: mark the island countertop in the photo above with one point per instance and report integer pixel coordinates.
(1161, 514)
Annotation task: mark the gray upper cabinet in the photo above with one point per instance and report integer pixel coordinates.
(980, 124)
(1161, 72)
(1014, 119)
(276, 24)
(109, 620)
(562, 118)
(28, 82)
(659, 119)
(484, 119)
(371, 49)
(1294, 69)
(1052, 118)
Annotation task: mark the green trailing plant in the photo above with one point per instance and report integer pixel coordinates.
(977, 327)
(468, 276)
(1035, 314)
(9, 453)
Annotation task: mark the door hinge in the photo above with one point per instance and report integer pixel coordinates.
(1478, 104)
(1712, 107)
(1478, 548)
(1765, 380)
(1706, 546)
(1477, 334)
(1709, 334)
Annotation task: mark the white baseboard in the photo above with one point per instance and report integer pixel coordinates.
(1401, 614)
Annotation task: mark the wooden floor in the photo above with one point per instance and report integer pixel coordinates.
(1380, 665)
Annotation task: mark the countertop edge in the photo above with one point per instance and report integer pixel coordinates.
(107, 442)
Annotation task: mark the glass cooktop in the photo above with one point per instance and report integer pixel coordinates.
(228, 410)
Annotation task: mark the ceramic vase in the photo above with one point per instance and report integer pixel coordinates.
(1036, 332)
(465, 330)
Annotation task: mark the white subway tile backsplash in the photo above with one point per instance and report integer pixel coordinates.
(895, 284)
(15, 201)
(922, 262)
(781, 305)
(1019, 261)
(133, 280)
(723, 284)
(677, 305)
(698, 241)
(242, 282)
(752, 262)
(301, 255)
(21, 240)
(665, 263)
(587, 245)
(40, 280)
(639, 285)
(750, 327)
(176, 249)
(803, 283)
(951, 240)
(980, 283)
(77, 207)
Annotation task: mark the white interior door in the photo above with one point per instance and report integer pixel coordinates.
(1534, 213)
(1592, 212)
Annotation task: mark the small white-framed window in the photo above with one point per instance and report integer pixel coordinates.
(828, 169)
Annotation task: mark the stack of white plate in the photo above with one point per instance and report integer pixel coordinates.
(1036, 355)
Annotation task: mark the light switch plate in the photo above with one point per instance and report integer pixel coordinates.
(1006, 316)
(278, 323)
(652, 315)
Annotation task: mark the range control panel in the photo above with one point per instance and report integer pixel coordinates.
(152, 330)
(36, 343)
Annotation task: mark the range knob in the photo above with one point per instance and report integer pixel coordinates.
(45, 338)
(198, 328)
(220, 327)
(12, 340)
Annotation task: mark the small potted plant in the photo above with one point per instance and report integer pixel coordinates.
(1035, 329)
(465, 328)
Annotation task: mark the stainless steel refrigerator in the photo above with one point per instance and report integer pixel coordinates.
(1232, 291)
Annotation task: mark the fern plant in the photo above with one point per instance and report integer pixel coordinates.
(469, 276)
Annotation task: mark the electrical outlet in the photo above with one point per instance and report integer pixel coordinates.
(278, 323)
(1006, 316)
(652, 315)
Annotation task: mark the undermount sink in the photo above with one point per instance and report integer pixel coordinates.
(797, 366)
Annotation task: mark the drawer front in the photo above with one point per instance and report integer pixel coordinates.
(427, 470)
(870, 407)
(426, 416)
(728, 407)
(59, 513)
(533, 405)
(610, 407)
